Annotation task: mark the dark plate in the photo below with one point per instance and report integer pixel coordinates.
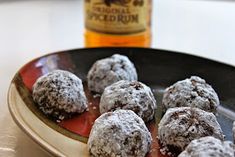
(156, 68)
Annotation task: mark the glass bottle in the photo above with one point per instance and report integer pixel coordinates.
(118, 23)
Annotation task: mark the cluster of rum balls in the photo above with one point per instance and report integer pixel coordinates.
(188, 127)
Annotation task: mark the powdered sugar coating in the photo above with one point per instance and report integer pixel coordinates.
(119, 134)
(192, 92)
(180, 125)
(129, 95)
(107, 71)
(233, 130)
(209, 147)
(59, 94)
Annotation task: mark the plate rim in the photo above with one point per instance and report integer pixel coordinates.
(24, 126)
(143, 48)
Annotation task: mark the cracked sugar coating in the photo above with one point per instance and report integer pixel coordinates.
(59, 94)
(129, 95)
(192, 92)
(209, 147)
(109, 70)
(119, 134)
(180, 125)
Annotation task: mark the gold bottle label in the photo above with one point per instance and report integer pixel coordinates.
(116, 16)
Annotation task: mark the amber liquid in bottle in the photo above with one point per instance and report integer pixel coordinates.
(118, 23)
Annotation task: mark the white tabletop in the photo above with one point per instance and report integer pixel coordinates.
(29, 29)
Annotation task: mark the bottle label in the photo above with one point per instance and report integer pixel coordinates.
(116, 16)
